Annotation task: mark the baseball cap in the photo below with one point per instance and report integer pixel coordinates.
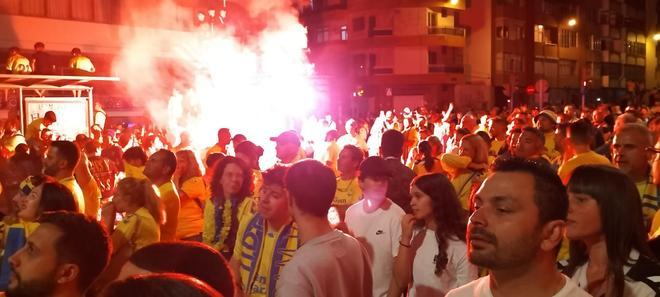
(287, 137)
(548, 113)
(249, 148)
(32, 182)
(374, 167)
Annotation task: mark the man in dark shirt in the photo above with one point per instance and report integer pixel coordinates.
(398, 189)
(41, 61)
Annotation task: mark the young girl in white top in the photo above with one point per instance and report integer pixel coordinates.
(432, 255)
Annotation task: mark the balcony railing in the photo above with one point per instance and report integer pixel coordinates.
(447, 31)
(445, 68)
(380, 32)
(381, 70)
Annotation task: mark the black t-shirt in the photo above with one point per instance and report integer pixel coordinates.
(43, 63)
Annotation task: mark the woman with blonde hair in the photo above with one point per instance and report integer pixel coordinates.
(192, 192)
(467, 167)
(143, 216)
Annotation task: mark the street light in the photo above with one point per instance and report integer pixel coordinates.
(656, 36)
(453, 2)
(572, 22)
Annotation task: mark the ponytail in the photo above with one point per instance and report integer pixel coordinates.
(143, 194)
(425, 149)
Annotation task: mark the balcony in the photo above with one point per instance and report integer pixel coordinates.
(381, 70)
(380, 32)
(454, 31)
(441, 68)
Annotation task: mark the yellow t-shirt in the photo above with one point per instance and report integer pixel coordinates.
(172, 205)
(495, 147)
(419, 168)
(29, 227)
(463, 186)
(71, 184)
(191, 215)
(564, 250)
(19, 64)
(451, 163)
(208, 235)
(259, 284)
(655, 227)
(140, 229)
(588, 158)
(81, 62)
(648, 192)
(348, 192)
(34, 128)
(215, 149)
(551, 147)
(257, 180)
(134, 171)
(92, 194)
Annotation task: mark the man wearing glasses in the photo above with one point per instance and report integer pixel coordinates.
(631, 154)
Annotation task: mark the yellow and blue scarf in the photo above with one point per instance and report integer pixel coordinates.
(253, 242)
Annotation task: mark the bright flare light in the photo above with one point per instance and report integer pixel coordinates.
(572, 22)
(257, 86)
(656, 36)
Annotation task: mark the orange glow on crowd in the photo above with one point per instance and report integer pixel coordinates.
(258, 84)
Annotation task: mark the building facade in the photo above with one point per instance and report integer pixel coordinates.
(604, 49)
(477, 53)
(389, 53)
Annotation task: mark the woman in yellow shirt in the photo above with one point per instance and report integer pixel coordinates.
(466, 168)
(229, 204)
(428, 162)
(143, 216)
(192, 192)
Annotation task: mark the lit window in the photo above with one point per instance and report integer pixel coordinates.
(343, 32)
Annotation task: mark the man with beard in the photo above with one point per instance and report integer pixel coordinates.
(61, 160)
(376, 222)
(159, 169)
(516, 231)
(62, 257)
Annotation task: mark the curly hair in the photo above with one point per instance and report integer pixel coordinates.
(219, 169)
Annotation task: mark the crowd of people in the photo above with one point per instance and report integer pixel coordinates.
(523, 202)
(42, 63)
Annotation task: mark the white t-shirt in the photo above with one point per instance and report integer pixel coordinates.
(332, 265)
(379, 232)
(459, 271)
(481, 288)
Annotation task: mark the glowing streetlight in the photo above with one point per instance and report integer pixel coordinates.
(656, 36)
(453, 2)
(540, 27)
(572, 22)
